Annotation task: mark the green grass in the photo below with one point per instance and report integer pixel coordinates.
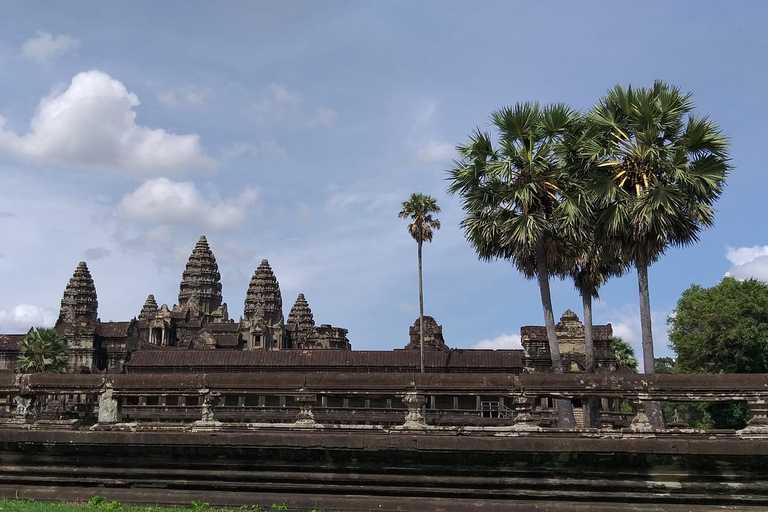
(100, 504)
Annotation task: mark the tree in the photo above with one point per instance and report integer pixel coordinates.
(419, 208)
(624, 353)
(663, 168)
(42, 350)
(723, 329)
(515, 200)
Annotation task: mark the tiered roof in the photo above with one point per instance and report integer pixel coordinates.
(79, 301)
(201, 281)
(263, 299)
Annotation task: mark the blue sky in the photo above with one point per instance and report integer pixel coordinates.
(293, 131)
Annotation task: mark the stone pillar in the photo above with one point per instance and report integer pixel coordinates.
(524, 420)
(210, 400)
(640, 422)
(109, 406)
(414, 417)
(758, 424)
(305, 417)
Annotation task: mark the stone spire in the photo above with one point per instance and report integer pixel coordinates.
(263, 300)
(149, 309)
(201, 280)
(79, 302)
(262, 325)
(300, 323)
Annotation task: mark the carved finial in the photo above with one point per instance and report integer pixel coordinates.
(301, 323)
(263, 301)
(201, 279)
(433, 335)
(79, 302)
(149, 308)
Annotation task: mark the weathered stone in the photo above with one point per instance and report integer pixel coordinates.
(79, 303)
(414, 419)
(201, 282)
(149, 309)
(262, 325)
(301, 324)
(433, 335)
(109, 407)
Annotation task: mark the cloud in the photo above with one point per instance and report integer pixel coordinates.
(164, 202)
(96, 253)
(268, 147)
(626, 325)
(24, 316)
(748, 262)
(185, 96)
(435, 152)
(278, 101)
(92, 124)
(45, 47)
(323, 116)
(503, 341)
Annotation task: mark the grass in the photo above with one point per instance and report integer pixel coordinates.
(100, 504)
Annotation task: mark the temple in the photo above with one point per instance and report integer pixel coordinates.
(197, 335)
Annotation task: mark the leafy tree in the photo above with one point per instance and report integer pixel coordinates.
(723, 329)
(419, 208)
(663, 169)
(664, 365)
(42, 350)
(624, 353)
(514, 195)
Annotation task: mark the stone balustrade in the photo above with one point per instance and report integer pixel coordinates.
(403, 401)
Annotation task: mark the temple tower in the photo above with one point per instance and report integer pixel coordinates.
(79, 303)
(301, 325)
(200, 287)
(77, 320)
(149, 309)
(262, 326)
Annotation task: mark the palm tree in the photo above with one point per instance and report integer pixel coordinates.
(663, 169)
(42, 350)
(516, 202)
(419, 208)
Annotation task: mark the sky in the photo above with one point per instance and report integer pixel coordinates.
(293, 131)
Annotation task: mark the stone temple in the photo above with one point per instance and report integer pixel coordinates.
(197, 335)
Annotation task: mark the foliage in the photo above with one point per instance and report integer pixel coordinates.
(662, 169)
(723, 329)
(624, 353)
(419, 208)
(42, 350)
(664, 365)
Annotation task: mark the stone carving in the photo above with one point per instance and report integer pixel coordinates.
(210, 400)
(149, 309)
(109, 407)
(301, 324)
(433, 335)
(262, 325)
(757, 426)
(201, 279)
(524, 420)
(305, 416)
(414, 417)
(79, 303)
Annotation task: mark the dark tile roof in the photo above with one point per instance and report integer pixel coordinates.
(10, 342)
(112, 329)
(181, 360)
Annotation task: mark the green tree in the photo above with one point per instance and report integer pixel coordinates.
(723, 329)
(42, 350)
(624, 353)
(663, 169)
(516, 204)
(665, 365)
(419, 208)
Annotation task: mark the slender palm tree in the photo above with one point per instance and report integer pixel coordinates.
(663, 168)
(516, 203)
(419, 208)
(42, 350)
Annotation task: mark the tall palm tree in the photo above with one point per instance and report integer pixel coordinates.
(419, 208)
(663, 168)
(42, 350)
(516, 203)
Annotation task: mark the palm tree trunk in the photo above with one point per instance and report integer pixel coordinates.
(565, 417)
(652, 409)
(589, 350)
(421, 312)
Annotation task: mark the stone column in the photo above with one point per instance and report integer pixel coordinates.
(524, 420)
(305, 417)
(758, 424)
(210, 400)
(109, 406)
(414, 402)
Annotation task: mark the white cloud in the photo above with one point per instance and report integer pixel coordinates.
(164, 202)
(748, 262)
(45, 46)
(22, 317)
(185, 96)
(278, 101)
(92, 124)
(626, 325)
(503, 341)
(268, 147)
(435, 152)
(323, 116)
